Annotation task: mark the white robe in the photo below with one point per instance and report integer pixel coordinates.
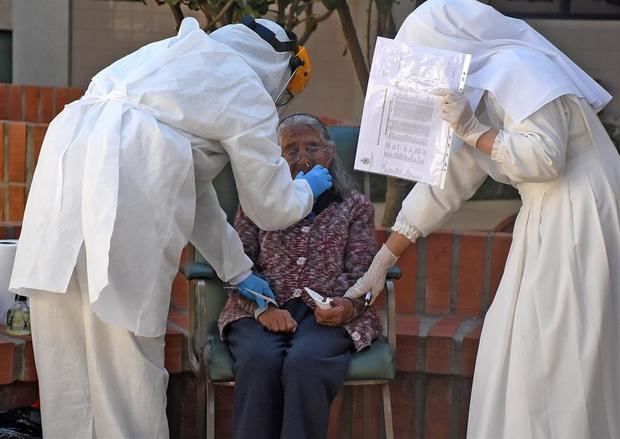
(127, 172)
(549, 355)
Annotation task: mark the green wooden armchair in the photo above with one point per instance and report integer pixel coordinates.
(209, 356)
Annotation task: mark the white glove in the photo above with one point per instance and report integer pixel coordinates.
(374, 279)
(456, 111)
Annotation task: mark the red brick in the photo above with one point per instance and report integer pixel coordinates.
(17, 394)
(440, 343)
(371, 412)
(438, 263)
(2, 146)
(470, 350)
(29, 370)
(15, 103)
(471, 274)
(7, 360)
(17, 152)
(381, 235)
(74, 94)
(174, 350)
(181, 408)
(335, 413)
(38, 134)
(31, 95)
(180, 319)
(402, 390)
(407, 338)
(46, 107)
(61, 98)
(223, 411)
(180, 292)
(185, 255)
(406, 286)
(17, 203)
(357, 427)
(4, 101)
(465, 395)
(437, 407)
(12, 229)
(499, 253)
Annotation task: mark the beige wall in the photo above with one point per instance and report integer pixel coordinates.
(6, 14)
(41, 34)
(593, 45)
(103, 31)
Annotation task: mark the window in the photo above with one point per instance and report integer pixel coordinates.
(571, 9)
(6, 56)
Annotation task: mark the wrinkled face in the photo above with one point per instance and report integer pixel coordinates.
(303, 148)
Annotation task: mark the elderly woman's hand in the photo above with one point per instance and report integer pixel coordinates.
(340, 312)
(277, 320)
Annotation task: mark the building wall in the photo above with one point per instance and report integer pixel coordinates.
(103, 31)
(41, 32)
(6, 14)
(593, 45)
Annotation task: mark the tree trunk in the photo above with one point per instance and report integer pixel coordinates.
(350, 36)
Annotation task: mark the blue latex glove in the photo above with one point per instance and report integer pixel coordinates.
(255, 283)
(318, 178)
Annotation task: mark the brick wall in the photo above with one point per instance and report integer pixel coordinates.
(25, 112)
(448, 283)
(26, 103)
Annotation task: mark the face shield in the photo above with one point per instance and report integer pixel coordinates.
(301, 71)
(299, 64)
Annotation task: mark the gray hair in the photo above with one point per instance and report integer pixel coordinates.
(342, 181)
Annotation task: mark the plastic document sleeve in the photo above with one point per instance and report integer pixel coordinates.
(402, 133)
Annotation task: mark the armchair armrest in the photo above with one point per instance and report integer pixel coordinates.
(198, 270)
(390, 295)
(393, 273)
(198, 273)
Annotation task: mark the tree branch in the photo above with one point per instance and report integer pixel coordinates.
(291, 14)
(178, 14)
(222, 12)
(368, 19)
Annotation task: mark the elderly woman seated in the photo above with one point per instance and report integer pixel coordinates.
(291, 360)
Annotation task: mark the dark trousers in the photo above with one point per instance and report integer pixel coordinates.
(285, 383)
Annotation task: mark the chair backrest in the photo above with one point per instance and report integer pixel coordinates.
(346, 145)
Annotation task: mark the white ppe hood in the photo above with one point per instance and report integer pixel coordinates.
(510, 59)
(272, 67)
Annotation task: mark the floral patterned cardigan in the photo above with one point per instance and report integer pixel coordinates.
(327, 251)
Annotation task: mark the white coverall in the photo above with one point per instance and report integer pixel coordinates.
(122, 183)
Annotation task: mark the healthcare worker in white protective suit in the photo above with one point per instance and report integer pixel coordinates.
(549, 354)
(122, 183)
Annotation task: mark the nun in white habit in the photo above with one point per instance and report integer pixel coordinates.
(549, 354)
(123, 181)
